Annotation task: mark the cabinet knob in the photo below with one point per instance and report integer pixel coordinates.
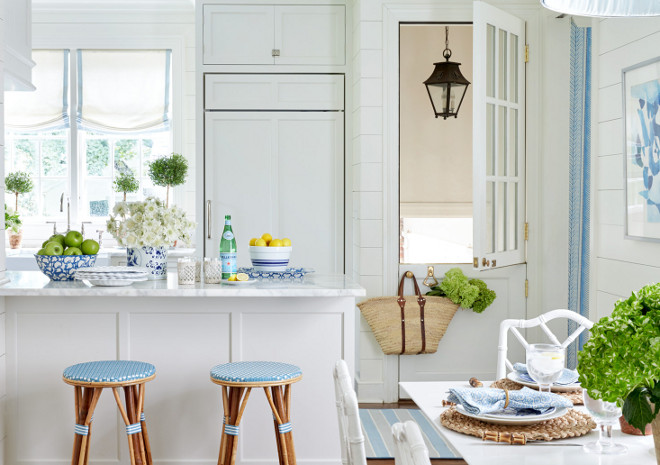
(276, 52)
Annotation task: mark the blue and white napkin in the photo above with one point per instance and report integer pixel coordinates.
(567, 376)
(479, 401)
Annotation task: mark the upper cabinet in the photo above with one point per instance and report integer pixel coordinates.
(274, 35)
(18, 45)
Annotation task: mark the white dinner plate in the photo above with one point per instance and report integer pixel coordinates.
(513, 376)
(513, 420)
(239, 283)
(113, 269)
(113, 282)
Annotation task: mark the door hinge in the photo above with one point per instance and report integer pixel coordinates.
(275, 52)
(526, 288)
(475, 263)
(526, 231)
(526, 53)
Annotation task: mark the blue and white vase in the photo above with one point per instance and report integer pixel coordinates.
(154, 259)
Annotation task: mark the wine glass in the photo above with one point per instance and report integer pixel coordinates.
(606, 414)
(545, 363)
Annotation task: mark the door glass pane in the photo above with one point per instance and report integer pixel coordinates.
(512, 216)
(502, 65)
(501, 141)
(501, 216)
(490, 61)
(513, 68)
(490, 139)
(513, 142)
(490, 217)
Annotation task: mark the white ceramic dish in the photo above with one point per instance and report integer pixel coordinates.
(239, 283)
(513, 420)
(114, 282)
(113, 269)
(513, 376)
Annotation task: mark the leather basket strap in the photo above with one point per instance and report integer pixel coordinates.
(421, 301)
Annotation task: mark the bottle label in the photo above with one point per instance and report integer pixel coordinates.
(229, 264)
(228, 235)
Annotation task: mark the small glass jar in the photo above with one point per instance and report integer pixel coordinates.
(186, 271)
(212, 271)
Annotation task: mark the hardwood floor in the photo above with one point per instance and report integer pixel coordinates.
(407, 404)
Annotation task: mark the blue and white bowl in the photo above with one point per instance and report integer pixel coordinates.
(63, 267)
(270, 258)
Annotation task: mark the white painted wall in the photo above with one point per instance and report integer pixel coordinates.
(621, 265)
(3, 357)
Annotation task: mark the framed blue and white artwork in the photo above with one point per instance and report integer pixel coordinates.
(641, 100)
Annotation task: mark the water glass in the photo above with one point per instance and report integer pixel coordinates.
(606, 414)
(545, 363)
(198, 269)
(212, 271)
(186, 271)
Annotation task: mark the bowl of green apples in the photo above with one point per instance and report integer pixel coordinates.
(62, 254)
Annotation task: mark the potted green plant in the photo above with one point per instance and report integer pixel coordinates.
(168, 171)
(13, 224)
(621, 360)
(18, 182)
(126, 183)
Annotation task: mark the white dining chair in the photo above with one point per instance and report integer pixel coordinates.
(503, 362)
(409, 447)
(348, 414)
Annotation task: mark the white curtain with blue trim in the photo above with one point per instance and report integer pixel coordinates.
(47, 107)
(124, 90)
(579, 179)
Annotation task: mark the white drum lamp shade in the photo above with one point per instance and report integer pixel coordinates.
(605, 8)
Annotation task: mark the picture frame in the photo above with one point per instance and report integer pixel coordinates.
(641, 150)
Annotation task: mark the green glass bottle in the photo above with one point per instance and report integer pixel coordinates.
(228, 250)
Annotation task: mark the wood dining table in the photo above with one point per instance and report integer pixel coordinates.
(429, 396)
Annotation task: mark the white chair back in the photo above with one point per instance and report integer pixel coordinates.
(503, 362)
(409, 447)
(348, 414)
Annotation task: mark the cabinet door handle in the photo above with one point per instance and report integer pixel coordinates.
(208, 219)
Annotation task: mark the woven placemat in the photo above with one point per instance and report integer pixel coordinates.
(505, 383)
(571, 425)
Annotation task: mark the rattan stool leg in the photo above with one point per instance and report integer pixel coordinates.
(279, 438)
(234, 404)
(133, 408)
(140, 392)
(85, 401)
(289, 435)
(124, 416)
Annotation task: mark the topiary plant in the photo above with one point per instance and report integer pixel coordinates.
(468, 293)
(18, 182)
(126, 183)
(168, 171)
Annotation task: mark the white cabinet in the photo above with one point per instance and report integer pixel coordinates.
(278, 172)
(18, 63)
(274, 34)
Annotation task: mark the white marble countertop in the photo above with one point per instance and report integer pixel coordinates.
(35, 283)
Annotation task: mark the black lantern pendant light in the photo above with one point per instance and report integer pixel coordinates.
(446, 85)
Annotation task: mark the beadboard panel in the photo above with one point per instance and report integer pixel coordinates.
(623, 32)
(612, 62)
(609, 173)
(609, 205)
(612, 245)
(604, 304)
(610, 103)
(610, 137)
(621, 278)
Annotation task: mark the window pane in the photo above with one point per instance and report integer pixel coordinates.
(501, 142)
(490, 61)
(501, 216)
(97, 157)
(437, 240)
(502, 67)
(26, 156)
(127, 158)
(512, 216)
(490, 217)
(490, 139)
(513, 69)
(54, 157)
(51, 191)
(97, 197)
(513, 142)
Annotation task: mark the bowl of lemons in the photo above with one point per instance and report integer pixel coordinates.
(268, 254)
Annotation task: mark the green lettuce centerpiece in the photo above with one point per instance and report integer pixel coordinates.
(468, 293)
(621, 360)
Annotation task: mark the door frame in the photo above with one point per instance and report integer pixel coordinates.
(393, 15)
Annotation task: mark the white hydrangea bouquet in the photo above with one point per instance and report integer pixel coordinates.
(149, 224)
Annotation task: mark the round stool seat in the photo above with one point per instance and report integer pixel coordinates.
(255, 373)
(119, 372)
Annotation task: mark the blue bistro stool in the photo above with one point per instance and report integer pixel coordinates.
(237, 380)
(89, 379)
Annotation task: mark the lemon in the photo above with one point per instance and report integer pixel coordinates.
(242, 277)
(267, 237)
(275, 243)
(252, 241)
(232, 278)
(260, 243)
(286, 242)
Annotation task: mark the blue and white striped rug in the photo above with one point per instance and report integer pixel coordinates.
(377, 424)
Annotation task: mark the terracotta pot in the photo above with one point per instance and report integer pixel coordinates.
(15, 239)
(656, 437)
(627, 428)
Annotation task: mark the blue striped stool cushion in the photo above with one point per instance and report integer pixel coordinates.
(109, 371)
(255, 372)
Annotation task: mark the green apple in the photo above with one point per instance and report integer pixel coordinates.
(42, 251)
(90, 247)
(72, 251)
(53, 248)
(55, 237)
(73, 239)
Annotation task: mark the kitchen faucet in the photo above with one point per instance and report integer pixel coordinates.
(68, 211)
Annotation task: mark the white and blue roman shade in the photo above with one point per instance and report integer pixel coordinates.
(604, 8)
(124, 90)
(47, 107)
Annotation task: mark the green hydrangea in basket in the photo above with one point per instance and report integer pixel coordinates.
(468, 293)
(621, 360)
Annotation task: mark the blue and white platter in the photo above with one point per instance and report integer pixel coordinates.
(509, 418)
(288, 274)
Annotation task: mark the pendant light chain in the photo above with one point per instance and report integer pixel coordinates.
(446, 52)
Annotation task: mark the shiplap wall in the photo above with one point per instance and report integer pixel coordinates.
(622, 265)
